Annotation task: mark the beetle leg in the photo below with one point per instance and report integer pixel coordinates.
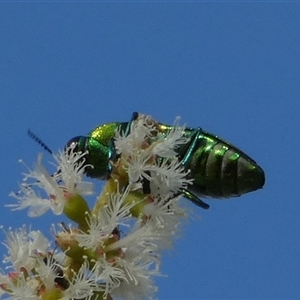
(128, 127)
(191, 147)
(146, 184)
(196, 200)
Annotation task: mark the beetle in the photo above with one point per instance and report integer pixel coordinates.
(219, 169)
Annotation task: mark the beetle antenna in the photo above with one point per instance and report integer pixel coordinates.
(39, 141)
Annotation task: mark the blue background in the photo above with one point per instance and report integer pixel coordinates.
(231, 68)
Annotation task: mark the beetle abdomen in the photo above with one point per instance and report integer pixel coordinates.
(222, 170)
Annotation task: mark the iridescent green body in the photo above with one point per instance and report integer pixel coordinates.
(219, 169)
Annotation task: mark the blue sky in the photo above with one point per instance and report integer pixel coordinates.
(231, 68)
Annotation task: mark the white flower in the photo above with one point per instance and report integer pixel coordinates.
(82, 285)
(71, 167)
(47, 270)
(138, 269)
(154, 157)
(166, 216)
(140, 131)
(67, 180)
(24, 289)
(96, 235)
(27, 197)
(138, 165)
(117, 250)
(109, 217)
(22, 245)
(168, 144)
(109, 274)
(168, 177)
(103, 277)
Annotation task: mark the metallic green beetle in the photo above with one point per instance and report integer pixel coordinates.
(219, 169)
